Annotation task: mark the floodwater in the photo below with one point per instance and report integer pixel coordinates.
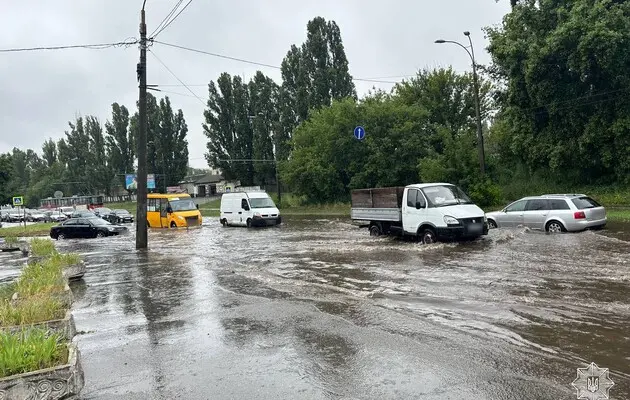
(318, 309)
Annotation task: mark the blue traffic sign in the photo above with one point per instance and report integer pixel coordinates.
(359, 132)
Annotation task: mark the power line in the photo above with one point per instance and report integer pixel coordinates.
(166, 18)
(217, 55)
(99, 46)
(173, 19)
(253, 62)
(180, 81)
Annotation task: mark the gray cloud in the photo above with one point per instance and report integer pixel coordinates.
(41, 91)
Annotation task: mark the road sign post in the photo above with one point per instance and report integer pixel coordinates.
(359, 132)
(18, 201)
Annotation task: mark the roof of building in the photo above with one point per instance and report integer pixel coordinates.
(209, 178)
(192, 178)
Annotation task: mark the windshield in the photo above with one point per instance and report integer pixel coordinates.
(182, 205)
(445, 195)
(99, 222)
(261, 203)
(121, 212)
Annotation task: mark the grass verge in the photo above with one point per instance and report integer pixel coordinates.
(30, 350)
(38, 229)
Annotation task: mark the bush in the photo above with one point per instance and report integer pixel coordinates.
(31, 310)
(30, 350)
(43, 247)
(485, 193)
(40, 279)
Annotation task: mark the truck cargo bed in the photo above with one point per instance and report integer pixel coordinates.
(376, 214)
(377, 204)
(389, 197)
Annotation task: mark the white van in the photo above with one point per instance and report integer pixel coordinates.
(248, 209)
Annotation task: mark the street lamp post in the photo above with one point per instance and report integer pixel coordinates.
(471, 53)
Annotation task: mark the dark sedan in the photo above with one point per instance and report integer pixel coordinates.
(85, 228)
(119, 217)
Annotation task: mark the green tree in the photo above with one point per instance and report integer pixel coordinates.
(171, 144)
(228, 128)
(98, 175)
(313, 76)
(49, 152)
(167, 144)
(263, 93)
(120, 143)
(6, 174)
(327, 161)
(564, 72)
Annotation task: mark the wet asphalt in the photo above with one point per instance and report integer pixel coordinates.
(318, 309)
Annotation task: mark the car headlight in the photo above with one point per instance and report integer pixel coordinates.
(180, 217)
(257, 214)
(448, 220)
(485, 218)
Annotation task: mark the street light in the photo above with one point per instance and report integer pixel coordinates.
(471, 53)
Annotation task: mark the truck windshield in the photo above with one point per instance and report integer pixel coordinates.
(182, 205)
(261, 203)
(445, 195)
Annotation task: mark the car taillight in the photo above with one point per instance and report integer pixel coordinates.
(579, 215)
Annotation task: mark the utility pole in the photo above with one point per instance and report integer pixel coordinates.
(471, 53)
(141, 201)
(480, 146)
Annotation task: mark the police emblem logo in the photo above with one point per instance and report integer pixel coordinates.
(592, 383)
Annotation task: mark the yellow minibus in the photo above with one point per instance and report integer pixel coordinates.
(172, 211)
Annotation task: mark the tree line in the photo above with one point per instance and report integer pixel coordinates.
(92, 158)
(554, 103)
(554, 106)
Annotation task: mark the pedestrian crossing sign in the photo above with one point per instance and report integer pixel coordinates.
(18, 201)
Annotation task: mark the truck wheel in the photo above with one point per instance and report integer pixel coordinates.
(375, 230)
(249, 223)
(224, 222)
(492, 224)
(173, 225)
(428, 236)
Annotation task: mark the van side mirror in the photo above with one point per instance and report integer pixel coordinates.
(197, 206)
(419, 205)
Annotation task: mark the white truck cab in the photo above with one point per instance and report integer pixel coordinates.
(248, 209)
(429, 211)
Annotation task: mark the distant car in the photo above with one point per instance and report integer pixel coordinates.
(102, 211)
(15, 216)
(85, 228)
(83, 214)
(55, 216)
(35, 216)
(119, 217)
(552, 213)
(67, 210)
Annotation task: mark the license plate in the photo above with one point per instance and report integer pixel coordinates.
(475, 228)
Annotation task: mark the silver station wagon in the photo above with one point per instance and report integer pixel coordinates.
(551, 212)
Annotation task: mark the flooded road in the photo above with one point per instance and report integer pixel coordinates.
(317, 309)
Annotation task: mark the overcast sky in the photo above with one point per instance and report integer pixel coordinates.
(41, 91)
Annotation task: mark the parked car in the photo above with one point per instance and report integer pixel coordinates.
(83, 214)
(67, 210)
(552, 213)
(119, 216)
(85, 228)
(101, 211)
(248, 209)
(55, 216)
(15, 216)
(35, 216)
(429, 212)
